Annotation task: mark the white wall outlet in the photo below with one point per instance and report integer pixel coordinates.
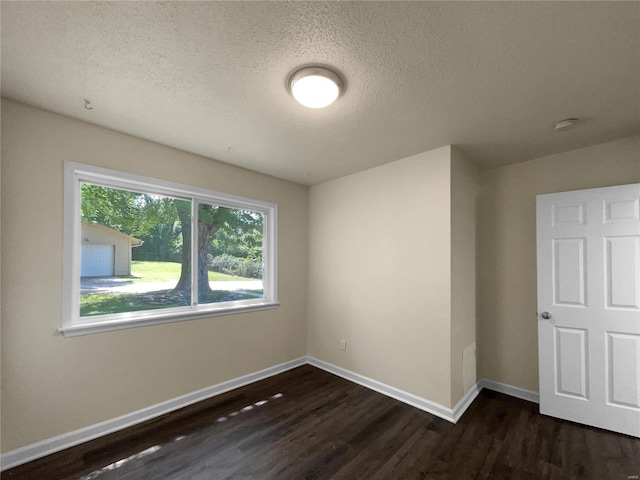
(343, 344)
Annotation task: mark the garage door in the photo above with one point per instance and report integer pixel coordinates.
(97, 260)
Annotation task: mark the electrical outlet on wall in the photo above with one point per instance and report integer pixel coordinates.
(343, 344)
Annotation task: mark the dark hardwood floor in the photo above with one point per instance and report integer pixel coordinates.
(309, 424)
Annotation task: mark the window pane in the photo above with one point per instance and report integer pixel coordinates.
(229, 254)
(132, 255)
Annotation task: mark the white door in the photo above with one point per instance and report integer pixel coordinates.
(589, 306)
(97, 260)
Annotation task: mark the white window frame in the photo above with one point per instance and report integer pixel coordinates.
(75, 174)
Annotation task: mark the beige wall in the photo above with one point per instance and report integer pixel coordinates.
(507, 333)
(379, 274)
(51, 384)
(391, 265)
(465, 188)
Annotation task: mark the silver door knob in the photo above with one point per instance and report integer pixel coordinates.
(545, 315)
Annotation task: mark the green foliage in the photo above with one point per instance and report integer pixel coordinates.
(151, 218)
(163, 224)
(163, 242)
(238, 250)
(241, 267)
(245, 242)
(133, 213)
(240, 231)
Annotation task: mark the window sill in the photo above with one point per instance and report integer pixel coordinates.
(113, 325)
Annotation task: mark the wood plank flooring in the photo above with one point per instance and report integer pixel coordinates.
(309, 424)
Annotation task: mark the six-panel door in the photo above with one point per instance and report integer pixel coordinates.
(589, 284)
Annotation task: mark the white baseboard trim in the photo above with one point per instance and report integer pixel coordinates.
(465, 402)
(55, 444)
(393, 392)
(521, 393)
(452, 415)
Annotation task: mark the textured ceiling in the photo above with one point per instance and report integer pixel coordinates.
(209, 77)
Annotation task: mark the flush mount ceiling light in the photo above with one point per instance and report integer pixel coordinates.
(315, 87)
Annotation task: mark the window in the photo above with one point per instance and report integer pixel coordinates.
(140, 251)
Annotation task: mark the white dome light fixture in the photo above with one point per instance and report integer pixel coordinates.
(315, 87)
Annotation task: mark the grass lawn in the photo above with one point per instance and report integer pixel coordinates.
(105, 303)
(170, 271)
(142, 272)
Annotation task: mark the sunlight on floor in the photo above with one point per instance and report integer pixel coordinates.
(120, 463)
(248, 407)
(155, 448)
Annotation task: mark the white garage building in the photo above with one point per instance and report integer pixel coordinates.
(105, 252)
